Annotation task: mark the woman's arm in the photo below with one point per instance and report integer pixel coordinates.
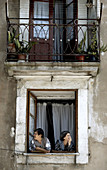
(71, 147)
(59, 146)
(42, 150)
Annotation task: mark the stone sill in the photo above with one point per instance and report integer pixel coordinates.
(47, 158)
(31, 69)
(51, 154)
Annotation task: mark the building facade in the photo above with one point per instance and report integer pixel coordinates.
(62, 75)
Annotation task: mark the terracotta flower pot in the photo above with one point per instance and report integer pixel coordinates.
(80, 58)
(11, 48)
(21, 57)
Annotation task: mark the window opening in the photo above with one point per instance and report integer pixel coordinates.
(53, 116)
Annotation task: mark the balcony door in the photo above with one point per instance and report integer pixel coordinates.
(52, 27)
(41, 14)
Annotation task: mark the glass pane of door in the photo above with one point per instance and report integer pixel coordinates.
(70, 19)
(41, 11)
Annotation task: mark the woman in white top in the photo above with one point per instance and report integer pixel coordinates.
(39, 142)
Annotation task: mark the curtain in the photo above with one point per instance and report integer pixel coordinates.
(42, 118)
(50, 124)
(63, 119)
(58, 31)
(54, 118)
(56, 109)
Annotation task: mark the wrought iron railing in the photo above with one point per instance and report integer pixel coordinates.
(77, 41)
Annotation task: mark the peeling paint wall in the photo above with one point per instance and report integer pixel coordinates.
(7, 100)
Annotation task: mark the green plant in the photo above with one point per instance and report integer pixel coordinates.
(81, 45)
(12, 36)
(24, 46)
(103, 48)
(93, 48)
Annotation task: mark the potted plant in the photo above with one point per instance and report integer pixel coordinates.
(11, 41)
(23, 48)
(12, 38)
(81, 49)
(93, 50)
(93, 47)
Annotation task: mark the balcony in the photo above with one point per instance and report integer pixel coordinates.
(77, 41)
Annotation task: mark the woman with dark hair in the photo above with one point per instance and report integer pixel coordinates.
(65, 143)
(39, 142)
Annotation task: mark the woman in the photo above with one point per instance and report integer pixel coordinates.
(39, 142)
(65, 143)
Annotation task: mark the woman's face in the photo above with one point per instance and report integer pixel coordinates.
(67, 137)
(36, 136)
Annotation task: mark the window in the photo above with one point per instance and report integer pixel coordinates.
(41, 90)
(54, 111)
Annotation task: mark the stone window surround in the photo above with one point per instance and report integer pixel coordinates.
(65, 76)
(20, 139)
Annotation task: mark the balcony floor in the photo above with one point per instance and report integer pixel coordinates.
(31, 69)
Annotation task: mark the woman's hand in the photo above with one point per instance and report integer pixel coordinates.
(69, 140)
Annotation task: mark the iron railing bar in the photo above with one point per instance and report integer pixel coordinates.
(69, 4)
(73, 54)
(101, 11)
(54, 19)
(99, 39)
(61, 25)
(61, 60)
(35, 60)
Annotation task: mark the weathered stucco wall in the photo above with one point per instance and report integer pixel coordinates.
(7, 100)
(99, 120)
(98, 116)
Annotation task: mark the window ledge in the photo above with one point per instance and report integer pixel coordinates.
(51, 154)
(46, 158)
